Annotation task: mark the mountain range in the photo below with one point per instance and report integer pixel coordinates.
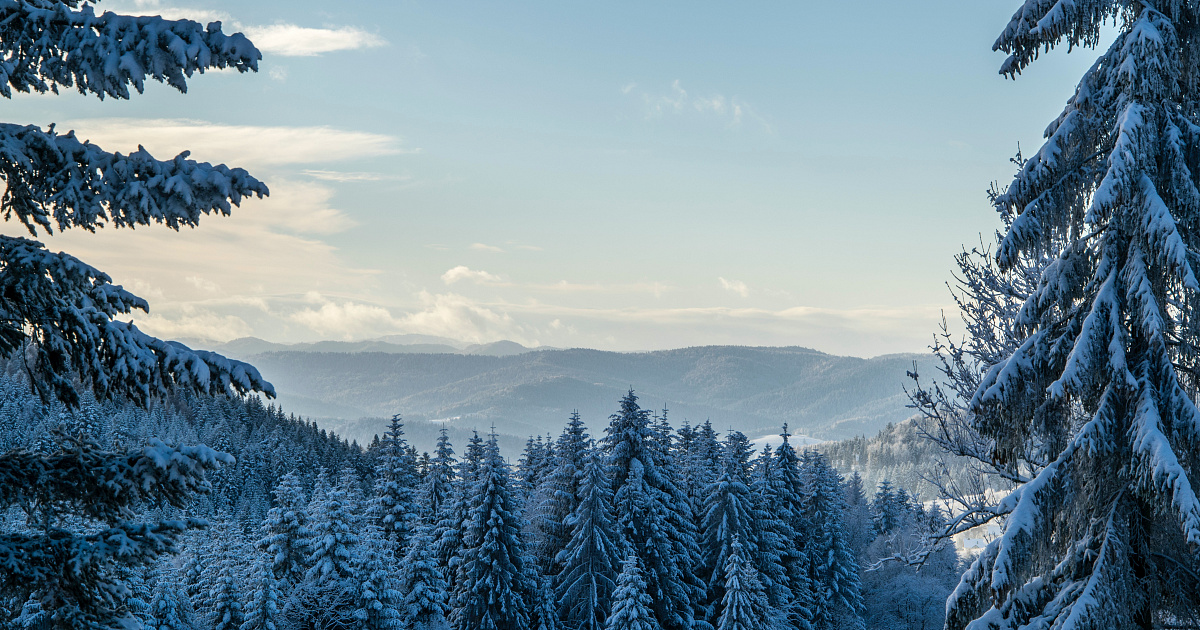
(350, 386)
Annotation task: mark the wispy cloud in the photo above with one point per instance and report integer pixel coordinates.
(483, 247)
(735, 286)
(677, 101)
(243, 145)
(462, 272)
(343, 177)
(290, 40)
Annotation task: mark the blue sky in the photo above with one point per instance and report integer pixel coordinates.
(612, 175)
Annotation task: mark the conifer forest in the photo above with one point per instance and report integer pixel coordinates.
(1043, 478)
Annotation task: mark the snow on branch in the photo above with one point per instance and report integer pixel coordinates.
(66, 309)
(46, 45)
(54, 180)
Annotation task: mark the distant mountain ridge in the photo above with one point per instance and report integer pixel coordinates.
(752, 389)
(391, 344)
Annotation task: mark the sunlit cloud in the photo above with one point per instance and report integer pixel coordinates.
(735, 286)
(243, 145)
(290, 40)
(462, 272)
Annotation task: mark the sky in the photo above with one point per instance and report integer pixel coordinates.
(620, 175)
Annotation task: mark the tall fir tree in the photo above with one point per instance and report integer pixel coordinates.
(167, 611)
(378, 601)
(728, 515)
(285, 532)
(493, 590)
(631, 603)
(263, 611)
(334, 526)
(653, 515)
(589, 563)
(425, 605)
(743, 603)
(558, 495)
(395, 478)
(1095, 407)
(438, 484)
(226, 595)
(832, 567)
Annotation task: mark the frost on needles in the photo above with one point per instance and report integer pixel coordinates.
(1095, 408)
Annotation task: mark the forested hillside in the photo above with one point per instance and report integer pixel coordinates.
(308, 531)
(753, 390)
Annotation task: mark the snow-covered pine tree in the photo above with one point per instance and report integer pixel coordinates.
(62, 314)
(648, 508)
(378, 601)
(493, 591)
(886, 508)
(426, 601)
(832, 566)
(588, 564)
(557, 496)
(263, 611)
(1096, 404)
(728, 515)
(166, 609)
(743, 603)
(334, 523)
(285, 531)
(785, 491)
(226, 595)
(395, 477)
(773, 537)
(439, 480)
(631, 603)
(544, 615)
(450, 527)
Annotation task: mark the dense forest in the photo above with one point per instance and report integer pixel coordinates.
(639, 526)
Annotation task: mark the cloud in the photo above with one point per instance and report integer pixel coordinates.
(481, 247)
(290, 40)
(242, 145)
(457, 317)
(344, 177)
(736, 286)
(677, 101)
(208, 286)
(345, 320)
(194, 324)
(462, 272)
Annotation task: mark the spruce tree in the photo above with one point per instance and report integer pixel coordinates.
(557, 495)
(263, 611)
(395, 478)
(424, 588)
(743, 605)
(1095, 408)
(67, 321)
(493, 590)
(653, 515)
(378, 601)
(832, 567)
(286, 535)
(631, 603)
(334, 523)
(226, 596)
(589, 562)
(439, 480)
(166, 609)
(728, 515)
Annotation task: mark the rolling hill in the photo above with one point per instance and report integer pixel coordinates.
(522, 392)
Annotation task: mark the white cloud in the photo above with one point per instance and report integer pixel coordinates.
(196, 324)
(204, 284)
(241, 145)
(344, 177)
(735, 286)
(482, 247)
(291, 40)
(347, 320)
(457, 317)
(462, 272)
